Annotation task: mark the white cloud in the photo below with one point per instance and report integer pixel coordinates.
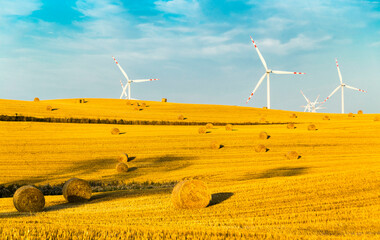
(19, 7)
(99, 8)
(189, 8)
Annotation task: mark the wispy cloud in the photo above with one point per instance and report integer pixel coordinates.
(188, 8)
(19, 7)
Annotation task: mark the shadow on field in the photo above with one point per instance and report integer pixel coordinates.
(109, 196)
(277, 172)
(217, 198)
(16, 214)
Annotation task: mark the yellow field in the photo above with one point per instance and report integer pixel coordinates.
(332, 191)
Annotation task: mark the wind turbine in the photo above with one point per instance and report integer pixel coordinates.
(342, 86)
(267, 72)
(128, 85)
(311, 106)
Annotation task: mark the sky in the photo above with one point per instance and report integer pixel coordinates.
(199, 49)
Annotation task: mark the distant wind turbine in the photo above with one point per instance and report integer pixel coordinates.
(267, 72)
(342, 86)
(128, 85)
(311, 106)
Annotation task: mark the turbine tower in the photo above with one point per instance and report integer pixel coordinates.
(267, 73)
(128, 85)
(342, 86)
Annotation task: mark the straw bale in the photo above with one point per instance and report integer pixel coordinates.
(350, 115)
(293, 115)
(164, 100)
(115, 131)
(262, 120)
(123, 158)
(263, 135)
(326, 117)
(202, 130)
(260, 148)
(191, 194)
(181, 117)
(49, 108)
(360, 112)
(209, 125)
(215, 145)
(76, 190)
(292, 155)
(311, 127)
(36, 99)
(291, 126)
(229, 127)
(122, 167)
(28, 199)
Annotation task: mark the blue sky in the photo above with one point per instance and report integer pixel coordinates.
(199, 49)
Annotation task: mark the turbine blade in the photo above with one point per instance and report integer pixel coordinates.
(257, 85)
(307, 100)
(145, 80)
(285, 72)
(122, 85)
(261, 57)
(360, 90)
(337, 66)
(121, 69)
(336, 89)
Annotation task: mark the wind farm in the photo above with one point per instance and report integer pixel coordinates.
(187, 156)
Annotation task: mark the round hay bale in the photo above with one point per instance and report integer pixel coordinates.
(115, 131)
(49, 108)
(262, 120)
(229, 127)
(164, 100)
(292, 155)
(76, 190)
(28, 199)
(260, 148)
(209, 125)
(360, 112)
(293, 115)
(121, 167)
(350, 115)
(128, 102)
(143, 104)
(137, 108)
(36, 99)
(311, 127)
(291, 126)
(123, 158)
(202, 130)
(181, 117)
(191, 194)
(326, 117)
(215, 145)
(376, 119)
(263, 135)
(265, 107)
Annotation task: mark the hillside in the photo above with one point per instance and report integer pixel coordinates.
(331, 192)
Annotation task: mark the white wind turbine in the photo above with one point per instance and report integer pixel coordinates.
(128, 85)
(267, 72)
(342, 86)
(311, 106)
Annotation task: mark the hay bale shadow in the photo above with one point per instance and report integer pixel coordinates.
(208, 132)
(221, 146)
(218, 198)
(55, 109)
(277, 172)
(132, 169)
(122, 133)
(131, 159)
(267, 150)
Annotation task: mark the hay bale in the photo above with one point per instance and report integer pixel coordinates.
(376, 119)
(49, 108)
(209, 125)
(123, 158)
(115, 131)
(143, 104)
(128, 102)
(262, 120)
(291, 126)
(292, 155)
(260, 148)
(181, 117)
(263, 135)
(191, 194)
(121, 167)
(215, 145)
(28, 199)
(326, 117)
(164, 100)
(293, 115)
(137, 108)
(360, 112)
(350, 115)
(265, 107)
(202, 130)
(76, 190)
(229, 127)
(36, 99)
(311, 127)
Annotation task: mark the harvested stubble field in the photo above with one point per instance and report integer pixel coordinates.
(331, 192)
